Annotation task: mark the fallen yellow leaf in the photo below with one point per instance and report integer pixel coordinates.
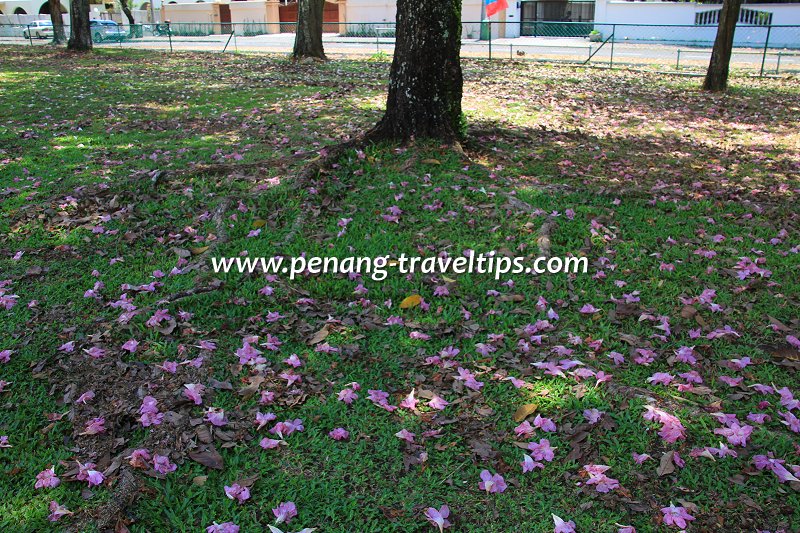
(525, 411)
(411, 301)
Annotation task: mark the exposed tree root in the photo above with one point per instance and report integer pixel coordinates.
(543, 240)
(106, 517)
(225, 168)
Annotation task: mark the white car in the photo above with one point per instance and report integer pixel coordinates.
(106, 30)
(41, 29)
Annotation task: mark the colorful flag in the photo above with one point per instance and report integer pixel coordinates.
(493, 6)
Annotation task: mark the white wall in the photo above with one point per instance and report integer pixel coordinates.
(250, 11)
(663, 13)
(382, 13)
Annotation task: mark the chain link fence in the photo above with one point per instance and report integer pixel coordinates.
(759, 49)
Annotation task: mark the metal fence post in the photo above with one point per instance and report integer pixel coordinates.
(678, 61)
(613, 38)
(229, 41)
(490, 40)
(778, 64)
(764, 57)
(169, 34)
(30, 37)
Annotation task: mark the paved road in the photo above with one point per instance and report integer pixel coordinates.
(531, 48)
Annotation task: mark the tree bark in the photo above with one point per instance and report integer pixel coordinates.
(425, 82)
(308, 34)
(131, 21)
(80, 37)
(56, 17)
(717, 75)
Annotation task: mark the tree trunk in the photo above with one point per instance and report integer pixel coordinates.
(131, 21)
(717, 75)
(56, 17)
(80, 37)
(425, 80)
(308, 35)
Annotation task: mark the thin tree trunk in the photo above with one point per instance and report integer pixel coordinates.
(308, 35)
(717, 75)
(80, 37)
(56, 17)
(129, 16)
(425, 82)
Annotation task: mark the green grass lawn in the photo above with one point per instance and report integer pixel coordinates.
(123, 173)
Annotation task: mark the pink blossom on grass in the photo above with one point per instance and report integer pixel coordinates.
(405, 435)
(561, 526)
(592, 415)
(271, 444)
(262, 419)
(528, 464)
(640, 458)
(47, 479)
(339, 434)
(409, 402)
(542, 451)
(139, 458)
(131, 346)
(215, 416)
(676, 516)
(545, 424)
(599, 479)
(438, 403)
(95, 426)
(492, 483)
(438, 517)
(162, 465)
(285, 512)
(194, 392)
(57, 511)
(225, 527)
(237, 492)
(768, 462)
(736, 434)
(85, 397)
(347, 396)
(87, 472)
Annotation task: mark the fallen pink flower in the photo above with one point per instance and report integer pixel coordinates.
(237, 492)
(57, 511)
(131, 346)
(438, 517)
(162, 465)
(47, 479)
(405, 435)
(676, 516)
(225, 527)
(285, 512)
(492, 483)
(561, 526)
(95, 426)
(339, 434)
(194, 392)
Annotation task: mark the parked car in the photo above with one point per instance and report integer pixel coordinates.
(41, 29)
(106, 30)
